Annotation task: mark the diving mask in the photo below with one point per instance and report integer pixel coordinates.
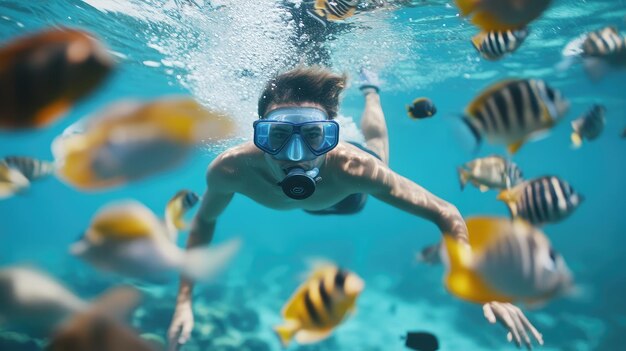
(296, 133)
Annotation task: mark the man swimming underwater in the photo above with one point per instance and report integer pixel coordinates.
(296, 161)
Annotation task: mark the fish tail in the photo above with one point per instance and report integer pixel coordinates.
(510, 199)
(463, 177)
(467, 6)
(286, 332)
(477, 40)
(577, 141)
(204, 263)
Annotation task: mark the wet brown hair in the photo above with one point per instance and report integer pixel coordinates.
(313, 84)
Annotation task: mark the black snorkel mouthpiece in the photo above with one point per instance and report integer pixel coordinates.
(299, 184)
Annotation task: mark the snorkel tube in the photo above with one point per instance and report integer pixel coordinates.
(300, 184)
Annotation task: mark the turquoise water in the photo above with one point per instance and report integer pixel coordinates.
(224, 54)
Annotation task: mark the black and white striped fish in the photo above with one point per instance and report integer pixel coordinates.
(514, 111)
(542, 200)
(588, 126)
(319, 305)
(31, 168)
(335, 10)
(491, 172)
(495, 44)
(604, 42)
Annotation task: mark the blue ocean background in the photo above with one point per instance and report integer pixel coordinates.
(222, 53)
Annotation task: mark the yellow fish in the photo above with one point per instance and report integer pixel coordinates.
(319, 305)
(335, 10)
(132, 140)
(43, 74)
(176, 208)
(502, 14)
(506, 261)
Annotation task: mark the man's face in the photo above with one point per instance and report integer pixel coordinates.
(312, 134)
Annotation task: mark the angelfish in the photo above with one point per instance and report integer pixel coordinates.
(491, 172)
(515, 111)
(127, 238)
(35, 303)
(506, 261)
(319, 305)
(588, 126)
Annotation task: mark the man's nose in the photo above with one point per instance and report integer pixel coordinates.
(295, 148)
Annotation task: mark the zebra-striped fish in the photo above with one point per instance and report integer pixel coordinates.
(176, 208)
(42, 75)
(17, 173)
(604, 43)
(514, 111)
(335, 10)
(506, 261)
(494, 45)
(588, 126)
(319, 305)
(492, 172)
(542, 200)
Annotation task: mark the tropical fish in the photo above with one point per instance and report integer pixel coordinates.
(128, 239)
(12, 181)
(319, 305)
(100, 327)
(42, 75)
(17, 173)
(421, 108)
(492, 172)
(491, 15)
(589, 126)
(421, 341)
(603, 50)
(493, 45)
(506, 261)
(335, 10)
(514, 111)
(35, 303)
(542, 200)
(176, 208)
(132, 140)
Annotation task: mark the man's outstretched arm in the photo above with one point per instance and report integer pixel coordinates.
(214, 201)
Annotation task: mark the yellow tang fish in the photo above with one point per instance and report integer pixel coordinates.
(176, 208)
(506, 261)
(132, 140)
(502, 14)
(319, 305)
(335, 10)
(43, 74)
(514, 111)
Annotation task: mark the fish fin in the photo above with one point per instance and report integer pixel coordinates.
(478, 39)
(475, 132)
(484, 230)
(51, 112)
(467, 6)
(410, 112)
(117, 303)
(487, 21)
(463, 177)
(510, 198)
(204, 263)
(577, 141)
(483, 188)
(461, 279)
(286, 331)
(514, 147)
(310, 337)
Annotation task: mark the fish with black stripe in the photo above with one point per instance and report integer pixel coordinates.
(319, 305)
(17, 173)
(335, 10)
(542, 200)
(491, 172)
(515, 111)
(588, 126)
(43, 74)
(493, 45)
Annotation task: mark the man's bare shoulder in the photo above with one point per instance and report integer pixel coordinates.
(229, 164)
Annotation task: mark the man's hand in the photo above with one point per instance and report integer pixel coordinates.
(182, 324)
(514, 320)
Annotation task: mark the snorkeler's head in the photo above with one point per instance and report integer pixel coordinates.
(313, 85)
